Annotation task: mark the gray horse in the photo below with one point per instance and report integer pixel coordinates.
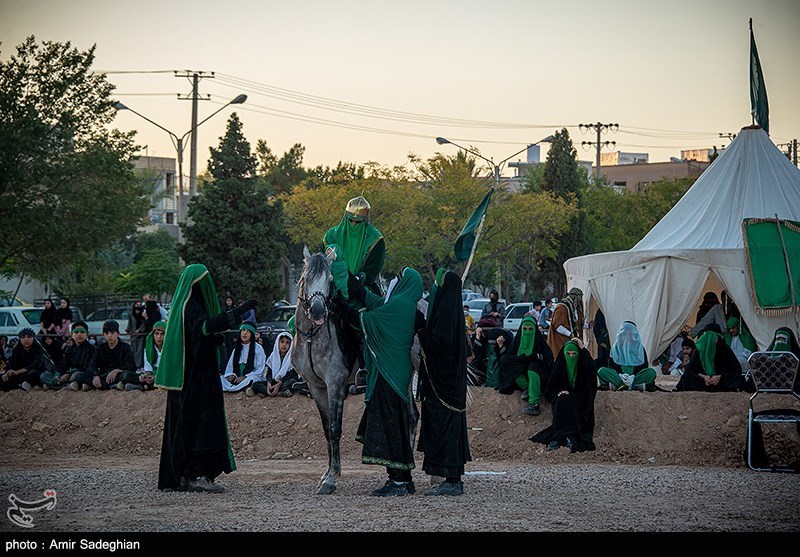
(317, 358)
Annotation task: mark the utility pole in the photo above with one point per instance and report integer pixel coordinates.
(794, 160)
(599, 127)
(195, 76)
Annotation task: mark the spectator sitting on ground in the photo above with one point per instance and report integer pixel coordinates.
(713, 367)
(738, 337)
(78, 365)
(680, 363)
(279, 378)
(27, 362)
(53, 348)
(567, 320)
(114, 357)
(246, 363)
(673, 354)
(571, 391)
(627, 367)
(526, 364)
(153, 345)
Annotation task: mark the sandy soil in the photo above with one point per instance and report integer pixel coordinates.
(664, 462)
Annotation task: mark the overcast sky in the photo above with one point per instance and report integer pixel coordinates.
(493, 75)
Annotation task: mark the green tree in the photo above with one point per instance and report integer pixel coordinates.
(564, 178)
(618, 220)
(156, 271)
(521, 231)
(235, 225)
(283, 173)
(67, 187)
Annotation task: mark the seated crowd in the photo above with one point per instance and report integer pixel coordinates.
(80, 365)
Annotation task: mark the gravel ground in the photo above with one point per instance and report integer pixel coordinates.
(120, 496)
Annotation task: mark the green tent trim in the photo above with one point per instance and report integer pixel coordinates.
(768, 243)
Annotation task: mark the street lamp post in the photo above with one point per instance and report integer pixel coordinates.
(496, 175)
(181, 210)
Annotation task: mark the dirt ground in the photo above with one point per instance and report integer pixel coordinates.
(665, 461)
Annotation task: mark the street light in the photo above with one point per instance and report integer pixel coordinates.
(495, 167)
(496, 173)
(177, 142)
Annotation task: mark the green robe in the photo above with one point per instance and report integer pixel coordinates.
(361, 251)
(389, 334)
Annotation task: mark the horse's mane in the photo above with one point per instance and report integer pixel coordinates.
(316, 265)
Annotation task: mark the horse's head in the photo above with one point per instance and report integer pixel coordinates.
(315, 286)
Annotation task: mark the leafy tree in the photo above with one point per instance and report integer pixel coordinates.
(524, 229)
(66, 182)
(155, 271)
(161, 240)
(563, 177)
(618, 220)
(283, 173)
(235, 226)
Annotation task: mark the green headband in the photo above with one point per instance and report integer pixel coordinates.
(160, 325)
(79, 330)
(245, 326)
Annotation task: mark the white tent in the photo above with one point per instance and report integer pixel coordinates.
(696, 247)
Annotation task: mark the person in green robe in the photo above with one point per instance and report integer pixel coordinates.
(526, 364)
(195, 447)
(713, 367)
(388, 425)
(359, 251)
(359, 246)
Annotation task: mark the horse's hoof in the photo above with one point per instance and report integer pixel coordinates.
(353, 390)
(326, 489)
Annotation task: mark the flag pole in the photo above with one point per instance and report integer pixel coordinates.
(472, 251)
(752, 112)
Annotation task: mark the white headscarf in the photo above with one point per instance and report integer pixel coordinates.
(278, 367)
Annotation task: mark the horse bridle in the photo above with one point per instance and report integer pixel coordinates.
(305, 302)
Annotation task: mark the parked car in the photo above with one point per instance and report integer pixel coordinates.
(467, 295)
(476, 306)
(273, 323)
(514, 315)
(96, 319)
(14, 318)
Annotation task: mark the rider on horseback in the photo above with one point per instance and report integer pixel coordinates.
(359, 252)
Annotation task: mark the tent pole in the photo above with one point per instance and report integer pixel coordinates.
(788, 272)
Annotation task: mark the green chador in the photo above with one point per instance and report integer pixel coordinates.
(527, 364)
(388, 425)
(195, 442)
(360, 250)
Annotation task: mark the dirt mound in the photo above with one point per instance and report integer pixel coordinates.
(661, 428)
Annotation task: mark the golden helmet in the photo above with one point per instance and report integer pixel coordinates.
(357, 208)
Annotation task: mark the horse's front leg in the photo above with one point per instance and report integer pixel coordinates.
(336, 396)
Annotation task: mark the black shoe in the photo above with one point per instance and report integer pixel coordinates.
(553, 445)
(446, 488)
(204, 484)
(391, 489)
(532, 410)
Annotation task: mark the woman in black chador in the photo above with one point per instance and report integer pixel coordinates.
(196, 448)
(571, 391)
(443, 388)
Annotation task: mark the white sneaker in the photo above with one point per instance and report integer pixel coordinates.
(250, 392)
(25, 386)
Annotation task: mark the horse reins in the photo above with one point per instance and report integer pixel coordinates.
(305, 303)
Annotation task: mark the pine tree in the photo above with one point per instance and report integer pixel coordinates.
(235, 225)
(562, 177)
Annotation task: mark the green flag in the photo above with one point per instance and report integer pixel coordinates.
(466, 239)
(759, 107)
